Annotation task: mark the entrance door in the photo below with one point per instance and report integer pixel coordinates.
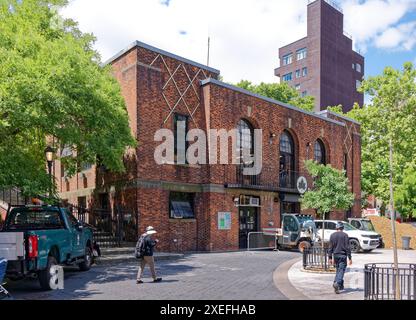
(248, 223)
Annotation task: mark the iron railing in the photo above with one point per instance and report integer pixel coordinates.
(13, 196)
(267, 179)
(288, 179)
(316, 258)
(380, 281)
(111, 228)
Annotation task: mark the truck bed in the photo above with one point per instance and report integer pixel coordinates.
(12, 245)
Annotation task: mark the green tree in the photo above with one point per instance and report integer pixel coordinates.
(391, 114)
(53, 88)
(406, 194)
(330, 191)
(281, 92)
(388, 131)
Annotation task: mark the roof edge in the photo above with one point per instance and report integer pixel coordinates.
(160, 51)
(339, 115)
(279, 103)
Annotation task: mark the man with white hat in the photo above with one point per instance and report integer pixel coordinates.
(148, 244)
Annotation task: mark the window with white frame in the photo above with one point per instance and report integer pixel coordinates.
(357, 84)
(358, 67)
(301, 54)
(304, 71)
(287, 77)
(297, 73)
(297, 87)
(287, 59)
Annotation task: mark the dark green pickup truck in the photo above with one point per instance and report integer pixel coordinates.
(36, 239)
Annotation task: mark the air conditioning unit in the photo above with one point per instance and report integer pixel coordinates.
(255, 202)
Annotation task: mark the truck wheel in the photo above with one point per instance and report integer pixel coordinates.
(48, 278)
(354, 245)
(86, 264)
(303, 245)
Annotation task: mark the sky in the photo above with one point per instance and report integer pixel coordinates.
(245, 34)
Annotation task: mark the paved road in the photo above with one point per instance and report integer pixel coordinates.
(235, 275)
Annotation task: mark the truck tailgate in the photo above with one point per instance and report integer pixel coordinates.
(12, 245)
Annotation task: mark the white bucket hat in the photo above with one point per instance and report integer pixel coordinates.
(150, 230)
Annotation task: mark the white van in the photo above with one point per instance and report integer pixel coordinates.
(359, 240)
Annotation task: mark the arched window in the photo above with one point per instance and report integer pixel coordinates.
(319, 152)
(245, 140)
(287, 160)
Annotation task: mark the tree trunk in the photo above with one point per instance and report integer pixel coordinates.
(323, 242)
(393, 223)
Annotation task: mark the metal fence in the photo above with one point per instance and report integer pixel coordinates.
(13, 196)
(261, 240)
(316, 258)
(380, 281)
(112, 228)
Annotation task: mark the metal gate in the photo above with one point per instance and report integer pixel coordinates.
(112, 228)
(261, 240)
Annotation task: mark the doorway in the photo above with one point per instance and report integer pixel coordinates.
(248, 222)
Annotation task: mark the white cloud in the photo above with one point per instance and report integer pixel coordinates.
(245, 34)
(401, 37)
(367, 21)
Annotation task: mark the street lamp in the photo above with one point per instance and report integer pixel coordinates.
(49, 152)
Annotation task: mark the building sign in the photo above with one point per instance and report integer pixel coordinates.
(302, 185)
(224, 220)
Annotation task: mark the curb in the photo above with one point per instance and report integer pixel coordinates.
(283, 284)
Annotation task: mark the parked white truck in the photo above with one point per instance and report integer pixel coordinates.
(359, 240)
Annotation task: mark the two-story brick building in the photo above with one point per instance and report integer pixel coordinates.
(209, 207)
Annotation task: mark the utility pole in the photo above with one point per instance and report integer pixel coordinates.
(209, 43)
(393, 224)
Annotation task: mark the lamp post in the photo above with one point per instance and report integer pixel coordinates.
(49, 159)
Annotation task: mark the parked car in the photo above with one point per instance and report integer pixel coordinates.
(365, 225)
(37, 238)
(359, 240)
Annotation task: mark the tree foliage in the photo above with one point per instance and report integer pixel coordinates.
(390, 114)
(405, 196)
(53, 88)
(330, 190)
(281, 92)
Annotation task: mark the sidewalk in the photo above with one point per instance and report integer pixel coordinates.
(317, 286)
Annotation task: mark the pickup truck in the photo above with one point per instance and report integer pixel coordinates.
(37, 238)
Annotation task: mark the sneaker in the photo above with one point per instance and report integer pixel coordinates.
(157, 280)
(336, 287)
(139, 281)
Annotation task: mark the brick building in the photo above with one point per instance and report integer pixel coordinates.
(210, 207)
(323, 64)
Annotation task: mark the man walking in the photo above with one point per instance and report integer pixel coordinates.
(340, 250)
(148, 244)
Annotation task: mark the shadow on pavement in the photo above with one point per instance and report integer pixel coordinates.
(77, 282)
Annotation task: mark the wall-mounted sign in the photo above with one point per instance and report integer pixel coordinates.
(302, 184)
(224, 220)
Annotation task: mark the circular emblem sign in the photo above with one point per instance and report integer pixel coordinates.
(302, 184)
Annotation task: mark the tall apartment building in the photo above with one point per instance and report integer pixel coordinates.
(323, 64)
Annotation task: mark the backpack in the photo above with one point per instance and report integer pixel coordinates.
(140, 247)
